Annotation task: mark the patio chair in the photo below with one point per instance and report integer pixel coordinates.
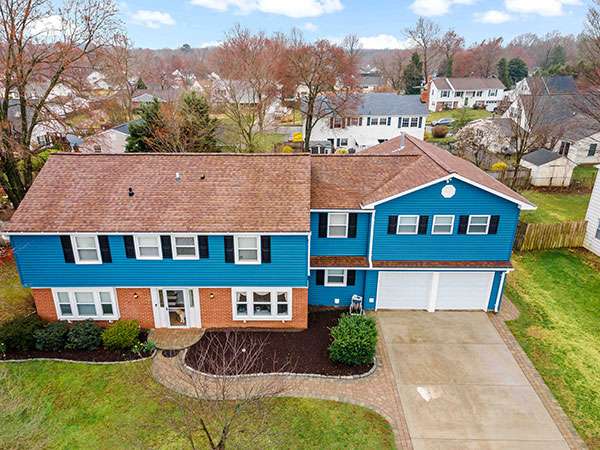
(356, 305)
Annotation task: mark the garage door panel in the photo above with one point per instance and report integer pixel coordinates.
(404, 290)
(464, 290)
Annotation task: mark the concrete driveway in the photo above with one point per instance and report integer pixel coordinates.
(459, 385)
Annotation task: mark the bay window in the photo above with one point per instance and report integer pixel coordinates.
(262, 303)
(85, 303)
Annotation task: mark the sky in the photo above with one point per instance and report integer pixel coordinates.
(379, 23)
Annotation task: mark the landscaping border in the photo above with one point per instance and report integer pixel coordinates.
(510, 312)
(285, 374)
(74, 361)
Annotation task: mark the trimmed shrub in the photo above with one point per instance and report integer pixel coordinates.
(52, 338)
(17, 334)
(84, 336)
(121, 335)
(341, 151)
(287, 149)
(354, 340)
(439, 131)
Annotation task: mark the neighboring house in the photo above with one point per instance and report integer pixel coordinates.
(545, 85)
(97, 80)
(370, 79)
(254, 240)
(112, 140)
(143, 96)
(592, 235)
(548, 168)
(44, 134)
(452, 93)
(376, 118)
(580, 140)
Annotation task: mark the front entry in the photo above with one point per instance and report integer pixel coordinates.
(175, 308)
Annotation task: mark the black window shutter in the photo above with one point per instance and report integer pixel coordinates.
(351, 277)
(392, 224)
(203, 246)
(320, 277)
(167, 250)
(265, 249)
(322, 225)
(463, 224)
(67, 248)
(423, 220)
(352, 225)
(399, 121)
(360, 121)
(229, 256)
(331, 122)
(129, 246)
(368, 121)
(105, 249)
(493, 228)
(389, 121)
(420, 122)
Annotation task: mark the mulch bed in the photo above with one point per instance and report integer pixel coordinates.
(293, 351)
(99, 355)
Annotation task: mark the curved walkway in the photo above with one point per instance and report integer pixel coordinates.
(376, 391)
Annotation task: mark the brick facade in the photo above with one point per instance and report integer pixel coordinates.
(215, 305)
(216, 311)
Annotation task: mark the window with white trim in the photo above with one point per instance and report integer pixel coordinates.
(493, 92)
(336, 277)
(86, 303)
(147, 246)
(185, 246)
(262, 303)
(407, 225)
(444, 93)
(337, 225)
(405, 122)
(86, 249)
(478, 224)
(247, 250)
(442, 225)
(414, 122)
(598, 230)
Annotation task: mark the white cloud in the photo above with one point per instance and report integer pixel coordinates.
(210, 44)
(541, 7)
(47, 28)
(296, 9)
(309, 26)
(383, 41)
(427, 8)
(492, 16)
(152, 19)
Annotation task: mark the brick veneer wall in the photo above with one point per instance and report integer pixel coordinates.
(216, 311)
(130, 307)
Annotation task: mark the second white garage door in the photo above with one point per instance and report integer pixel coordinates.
(414, 290)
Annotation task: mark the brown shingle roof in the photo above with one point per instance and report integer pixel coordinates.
(339, 261)
(217, 193)
(444, 264)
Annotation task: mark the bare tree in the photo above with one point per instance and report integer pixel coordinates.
(425, 34)
(588, 102)
(391, 66)
(219, 398)
(46, 46)
(118, 63)
(449, 44)
(328, 74)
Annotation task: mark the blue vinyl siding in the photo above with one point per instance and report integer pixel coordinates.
(469, 200)
(495, 288)
(41, 264)
(326, 295)
(358, 246)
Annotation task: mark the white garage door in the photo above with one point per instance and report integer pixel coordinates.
(464, 290)
(412, 290)
(404, 290)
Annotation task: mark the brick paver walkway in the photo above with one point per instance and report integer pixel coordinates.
(172, 339)
(510, 312)
(376, 391)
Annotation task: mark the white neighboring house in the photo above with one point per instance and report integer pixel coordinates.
(548, 168)
(592, 235)
(377, 118)
(580, 141)
(97, 80)
(452, 93)
(112, 140)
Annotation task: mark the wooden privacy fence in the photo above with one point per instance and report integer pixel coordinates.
(540, 236)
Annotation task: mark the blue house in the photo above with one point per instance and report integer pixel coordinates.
(237, 240)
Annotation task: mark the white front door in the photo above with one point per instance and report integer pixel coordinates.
(176, 308)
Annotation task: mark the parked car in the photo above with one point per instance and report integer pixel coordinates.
(443, 121)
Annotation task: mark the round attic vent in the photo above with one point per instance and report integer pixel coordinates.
(448, 191)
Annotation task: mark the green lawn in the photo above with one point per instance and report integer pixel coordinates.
(585, 175)
(457, 115)
(558, 295)
(14, 298)
(556, 207)
(70, 406)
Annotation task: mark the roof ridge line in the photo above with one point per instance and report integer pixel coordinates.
(429, 155)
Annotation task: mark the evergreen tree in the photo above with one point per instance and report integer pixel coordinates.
(517, 70)
(140, 130)
(412, 75)
(140, 84)
(196, 127)
(503, 74)
(557, 57)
